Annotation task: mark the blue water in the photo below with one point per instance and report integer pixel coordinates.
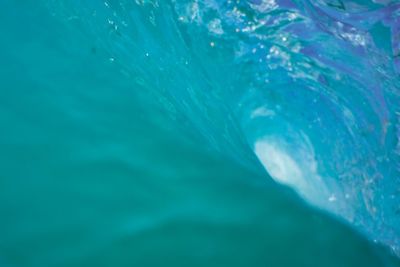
(200, 132)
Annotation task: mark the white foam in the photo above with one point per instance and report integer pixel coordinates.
(293, 165)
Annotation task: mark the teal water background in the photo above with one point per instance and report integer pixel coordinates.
(152, 133)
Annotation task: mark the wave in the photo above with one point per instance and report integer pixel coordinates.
(302, 93)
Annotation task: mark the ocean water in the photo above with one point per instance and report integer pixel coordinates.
(200, 133)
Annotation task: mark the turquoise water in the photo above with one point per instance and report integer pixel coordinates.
(199, 133)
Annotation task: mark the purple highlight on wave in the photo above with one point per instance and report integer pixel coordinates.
(396, 43)
(388, 15)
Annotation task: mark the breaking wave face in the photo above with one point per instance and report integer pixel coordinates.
(315, 87)
(307, 91)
